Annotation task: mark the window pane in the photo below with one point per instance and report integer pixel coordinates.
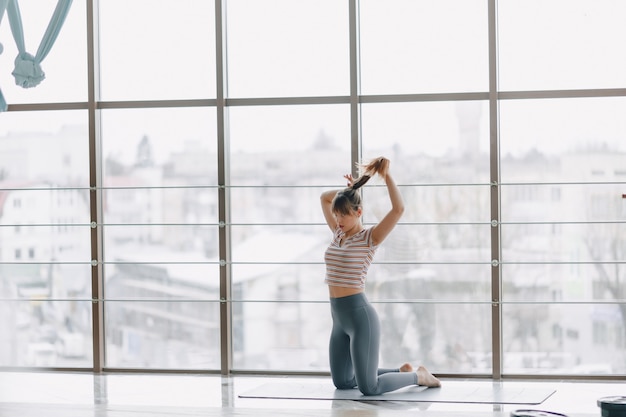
(279, 263)
(162, 335)
(159, 147)
(561, 44)
(155, 50)
(563, 140)
(436, 205)
(49, 147)
(437, 142)
(432, 262)
(295, 49)
(281, 336)
(442, 337)
(531, 279)
(161, 238)
(408, 46)
(65, 66)
(282, 157)
(44, 333)
(563, 339)
(45, 239)
(289, 145)
(441, 248)
(561, 203)
(448, 338)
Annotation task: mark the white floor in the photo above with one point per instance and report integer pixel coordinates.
(31, 394)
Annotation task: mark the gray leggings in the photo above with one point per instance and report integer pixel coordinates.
(354, 343)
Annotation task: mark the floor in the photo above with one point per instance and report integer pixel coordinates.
(32, 394)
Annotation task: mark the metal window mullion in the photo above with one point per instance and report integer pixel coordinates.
(494, 158)
(95, 182)
(355, 86)
(223, 176)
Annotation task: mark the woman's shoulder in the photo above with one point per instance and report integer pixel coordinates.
(367, 235)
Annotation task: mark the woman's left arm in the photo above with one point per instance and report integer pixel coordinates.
(386, 225)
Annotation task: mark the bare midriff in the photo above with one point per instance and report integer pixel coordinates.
(338, 292)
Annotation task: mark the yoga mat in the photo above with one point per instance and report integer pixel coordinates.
(459, 392)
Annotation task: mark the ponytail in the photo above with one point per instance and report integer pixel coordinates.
(360, 182)
(349, 199)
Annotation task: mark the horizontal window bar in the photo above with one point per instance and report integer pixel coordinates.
(485, 223)
(500, 262)
(215, 186)
(386, 301)
(269, 101)
(605, 92)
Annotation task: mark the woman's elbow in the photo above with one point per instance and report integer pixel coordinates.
(398, 210)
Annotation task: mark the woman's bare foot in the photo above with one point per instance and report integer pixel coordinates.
(407, 367)
(425, 378)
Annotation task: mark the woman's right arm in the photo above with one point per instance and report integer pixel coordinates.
(327, 202)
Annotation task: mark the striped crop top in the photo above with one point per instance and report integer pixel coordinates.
(347, 265)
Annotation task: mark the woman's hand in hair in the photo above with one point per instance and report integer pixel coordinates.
(350, 180)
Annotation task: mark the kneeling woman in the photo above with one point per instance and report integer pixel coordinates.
(355, 336)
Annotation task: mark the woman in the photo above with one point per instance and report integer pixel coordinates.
(355, 336)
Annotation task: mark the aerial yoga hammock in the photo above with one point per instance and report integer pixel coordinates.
(28, 72)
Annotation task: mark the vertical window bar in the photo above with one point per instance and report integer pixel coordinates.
(494, 155)
(223, 189)
(95, 193)
(355, 86)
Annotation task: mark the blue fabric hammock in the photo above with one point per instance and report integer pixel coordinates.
(28, 72)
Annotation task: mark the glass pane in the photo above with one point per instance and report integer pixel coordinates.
(156, 50)
(561, 44)
(428, 204)
(162, 335)
(593, 242)
(443, 282)
(279, 263)
(279, 281)
(45, 242)
(160, 243)
(436, 142)
(44, 149)
(277, 205)
(411, 264)
(163, 183)
(159, 147)
(408, 46)
(65, 66)
(289, 145)
(281, 336)
(563, 203)
(564, 339)
(282, 157)
(444, 338)
(297, 48)
(567, 140)
(176, 281)
(39, 332)
(161, 236)
(532, 280)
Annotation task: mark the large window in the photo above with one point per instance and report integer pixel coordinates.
(162, 212)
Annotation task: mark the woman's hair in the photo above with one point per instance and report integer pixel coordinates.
(348, 200)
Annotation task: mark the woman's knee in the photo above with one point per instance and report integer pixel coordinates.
(344, 384)
(367, 391)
